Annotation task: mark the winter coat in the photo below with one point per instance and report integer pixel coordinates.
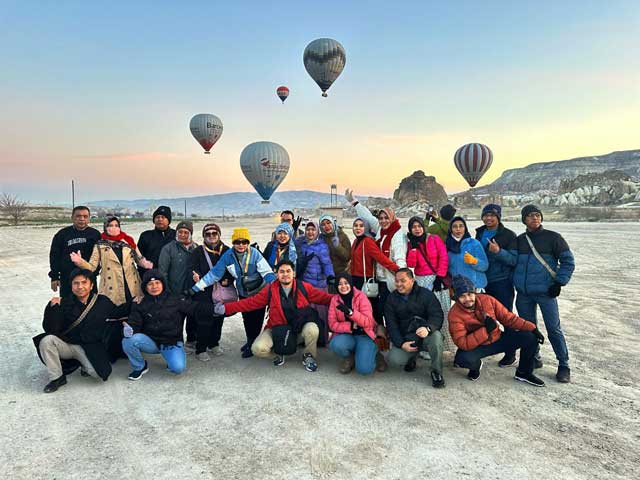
(64, 242)
(114, 273)
(435, 250)
(440, 228)
(467, 327)
(397, 253)
(319, 267)
(530, 277)
(474, 272)
(200, 265)
(371, 253)
(151, 242)
(91, 334)
(341, 254)
(399, 313)
(499, 269)
(229, 263)
(362, 315)
(270, 253)
(276, 316)
(175, 265)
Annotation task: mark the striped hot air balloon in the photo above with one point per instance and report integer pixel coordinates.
(324, 60)
(265, 165)
(472, 161)
(282, 92)
(206, 129)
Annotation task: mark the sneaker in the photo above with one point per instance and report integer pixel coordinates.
(437, 380)
(53, 385)
(84, 373)
(474, 375)
(247, 353)
(529, 378)
(537, 363)
(203, 356)
(424, 355)
(216, 351)
(309, 362)
(137, 374)
(278, 361)
(381, 363)
(245, 347)
(410, 365)
(563, 375)
(508, 360)
(347, 364)
(189, 347)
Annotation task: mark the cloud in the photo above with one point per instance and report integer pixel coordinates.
(131, 157)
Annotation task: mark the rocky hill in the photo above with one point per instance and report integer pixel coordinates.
(419, 187)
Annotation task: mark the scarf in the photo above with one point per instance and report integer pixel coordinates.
(386, 235)
(453, 245)
(293, 255)
(119, 238)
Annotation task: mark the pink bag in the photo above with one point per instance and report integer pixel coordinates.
(221, 294)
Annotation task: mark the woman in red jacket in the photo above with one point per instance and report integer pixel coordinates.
(351, 320)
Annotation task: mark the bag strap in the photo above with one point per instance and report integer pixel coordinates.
(206, 256)
(540, 259)
(424, 255)
(82, 315)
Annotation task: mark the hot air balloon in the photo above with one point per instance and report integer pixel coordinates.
(264, 164)
(282, 92)
(472, 161)
(324, 60)
(206, 129)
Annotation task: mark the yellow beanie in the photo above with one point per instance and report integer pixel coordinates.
(240, 234)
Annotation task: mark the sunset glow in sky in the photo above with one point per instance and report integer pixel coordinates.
(103, 92)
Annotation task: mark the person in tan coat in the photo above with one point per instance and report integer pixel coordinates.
(117, 256)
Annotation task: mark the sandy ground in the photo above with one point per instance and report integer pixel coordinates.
(234, 418)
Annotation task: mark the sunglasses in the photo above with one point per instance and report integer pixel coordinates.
(211, 234)
(241, 242)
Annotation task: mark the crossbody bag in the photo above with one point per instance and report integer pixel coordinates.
(542, 261)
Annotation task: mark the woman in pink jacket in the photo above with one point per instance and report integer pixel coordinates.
(351, 320)
(427, 255)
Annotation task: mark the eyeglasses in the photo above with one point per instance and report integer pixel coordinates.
(534, 215)
(241, 242)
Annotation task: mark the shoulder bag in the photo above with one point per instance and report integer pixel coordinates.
(370, 286)
(219, 293)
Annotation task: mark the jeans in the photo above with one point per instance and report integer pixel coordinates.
(140, 343)
(432, 344)
(509, 341)
(364, 349)
(526, 306)
(502, 290)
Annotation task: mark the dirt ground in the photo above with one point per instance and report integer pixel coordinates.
(235, 418)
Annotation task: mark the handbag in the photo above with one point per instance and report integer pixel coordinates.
(221, 294)
(370, 286)
(252, 283)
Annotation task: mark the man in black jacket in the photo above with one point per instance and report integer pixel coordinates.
(156, 325)
(414, 319)
(69, 341)
(152, 241)
(77, 237)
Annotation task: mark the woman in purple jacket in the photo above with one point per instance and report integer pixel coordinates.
(314, 266)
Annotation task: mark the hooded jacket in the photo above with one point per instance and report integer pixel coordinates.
(457, 266)
(319, 267)
(499, 268)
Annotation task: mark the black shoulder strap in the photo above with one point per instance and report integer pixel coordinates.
(302, 289)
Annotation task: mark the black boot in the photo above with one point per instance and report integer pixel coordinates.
(53, 385)
(410, 366)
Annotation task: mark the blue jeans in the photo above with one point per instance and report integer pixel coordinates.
(526, 306)
(174, 355)
(365, 350)
(502, 290)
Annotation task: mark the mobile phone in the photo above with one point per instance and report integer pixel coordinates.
(430, 208)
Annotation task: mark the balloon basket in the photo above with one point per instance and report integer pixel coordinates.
(265, 202)
(207, 153)
(324, 94)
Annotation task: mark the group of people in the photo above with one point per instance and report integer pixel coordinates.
(389, 290)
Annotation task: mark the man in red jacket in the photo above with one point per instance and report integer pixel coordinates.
(481, 326)
(290, 316)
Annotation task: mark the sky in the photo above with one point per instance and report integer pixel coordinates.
(102, 92)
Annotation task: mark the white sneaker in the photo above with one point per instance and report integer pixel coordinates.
(424, 355)
(216, 351)
(203, 357)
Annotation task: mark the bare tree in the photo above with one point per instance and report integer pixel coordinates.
(13, 208)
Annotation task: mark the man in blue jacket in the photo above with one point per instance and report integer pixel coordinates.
(538, 277)
(493, 235)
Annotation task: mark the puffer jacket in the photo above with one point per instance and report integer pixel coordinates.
(467, 327)
(113, 273)
(175, 265)
(320, 266)
(435, 250)
(397, 253)
(530, 277)
(362, 315)
(439, 227)
(474, 272)
(340, 254)
(499, 269)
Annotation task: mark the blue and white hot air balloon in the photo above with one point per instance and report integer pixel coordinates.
(324, 60)
(265, 165)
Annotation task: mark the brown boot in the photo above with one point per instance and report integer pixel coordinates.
(381, 363)
(347, 364)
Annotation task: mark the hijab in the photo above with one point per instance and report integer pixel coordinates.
(348, 298)
(453, 245)
(285, 227)
(411, 236)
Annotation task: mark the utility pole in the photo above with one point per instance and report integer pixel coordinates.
(185, 209)
(73, 195)
(223, 214)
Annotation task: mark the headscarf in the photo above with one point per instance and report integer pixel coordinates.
(453, 245)
(367, 231)
(348, 298)
(312, 224)
(117, 238)
(386, 234)
(411, 236)
(285, 227)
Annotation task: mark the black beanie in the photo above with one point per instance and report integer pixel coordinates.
(164, 211)
(527, 209)
(447, 212)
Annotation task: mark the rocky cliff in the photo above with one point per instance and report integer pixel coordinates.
(419, 187)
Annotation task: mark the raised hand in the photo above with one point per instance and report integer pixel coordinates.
(76, 257)
(55, 301)
(195, 276)
(348, 194)
(493, 246)
(147, 264)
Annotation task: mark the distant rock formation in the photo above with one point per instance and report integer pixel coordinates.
(420, 188)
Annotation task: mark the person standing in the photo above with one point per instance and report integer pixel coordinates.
(543, 265)
(79, 237)
(152, 241)
(466, 255)
(338, 243)
(282, 247)
(440, 225)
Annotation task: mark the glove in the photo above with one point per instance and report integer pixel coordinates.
(490, 323)
(335, 241)
(190, 292)
(437, 285)
(539, 336)
(218, 309)
(554, 290)
(127, 330)
(344, 309)
(470, 259)
(331, 280)
(296, 224)
(415, 243)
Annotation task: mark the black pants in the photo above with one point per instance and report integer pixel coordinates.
(192, 328)
(509, 341)
(252, 323)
